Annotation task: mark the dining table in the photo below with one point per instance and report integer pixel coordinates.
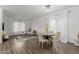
(49, 36)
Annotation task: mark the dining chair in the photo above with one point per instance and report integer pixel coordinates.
(42, 40)
(77, 39)
(56, 41)
(5, 35)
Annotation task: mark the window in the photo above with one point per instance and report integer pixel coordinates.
(52, 25)
(19, 27)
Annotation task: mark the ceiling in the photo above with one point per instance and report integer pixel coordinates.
(33, 11)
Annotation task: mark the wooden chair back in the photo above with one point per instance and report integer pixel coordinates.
(56, 40)
(40, 36)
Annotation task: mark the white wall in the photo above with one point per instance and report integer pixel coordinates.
(66, 23)
(67, 27)
(40, 24)
(0, 25)
(61, 24)
(9, 18)
(73, 24)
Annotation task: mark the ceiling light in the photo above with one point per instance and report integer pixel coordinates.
(47, 7)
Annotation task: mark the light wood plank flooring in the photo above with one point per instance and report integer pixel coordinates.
(31, 46)
(12, 46)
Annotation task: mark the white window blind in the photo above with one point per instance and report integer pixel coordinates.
(52, 25)
(19, 27)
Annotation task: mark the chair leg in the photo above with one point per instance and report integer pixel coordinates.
(47, 44)
(42, 44)
(52, 45)
(39, 43)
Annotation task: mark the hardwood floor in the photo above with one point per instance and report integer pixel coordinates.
(12, 46)
(69, 48)
(31, 46)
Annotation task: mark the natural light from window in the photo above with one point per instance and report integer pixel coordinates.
(19, 27)
(52, 25)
